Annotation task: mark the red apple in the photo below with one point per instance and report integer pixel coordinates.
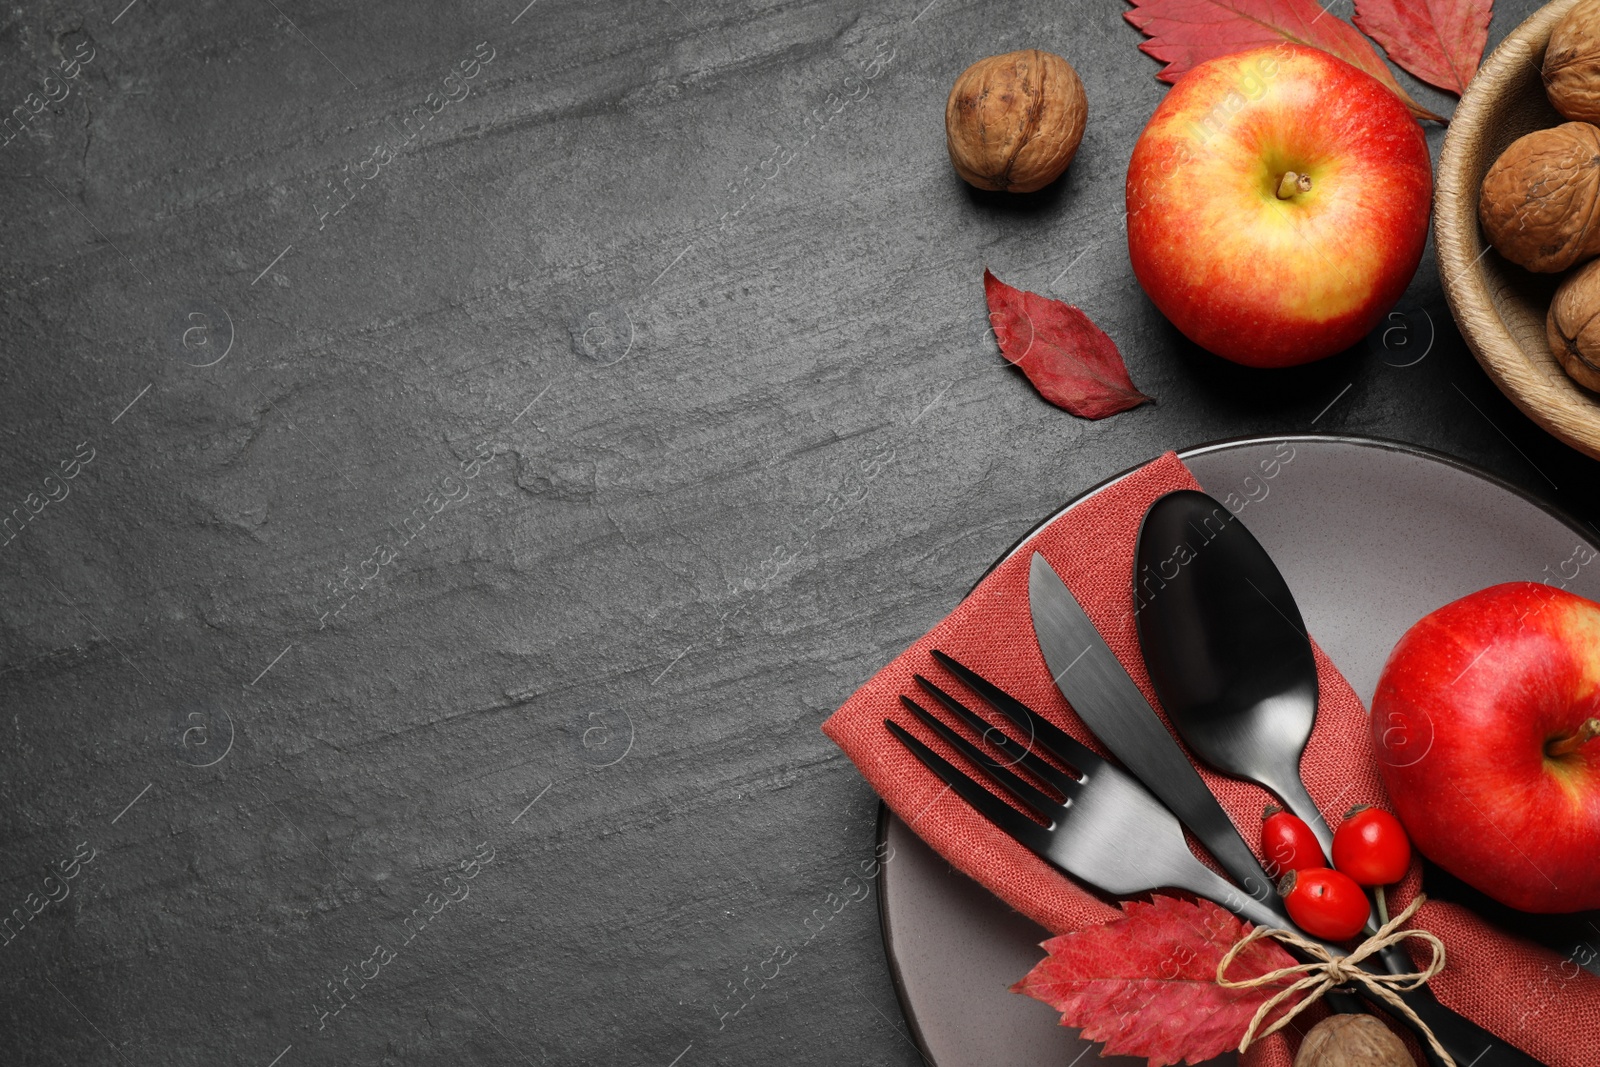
(1485, 723)
(1278, 204)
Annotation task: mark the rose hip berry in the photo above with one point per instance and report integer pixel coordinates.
(1371, 846)
(1325, 903)
(1288, 843)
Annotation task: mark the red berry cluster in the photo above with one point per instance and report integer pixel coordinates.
(1370, 848)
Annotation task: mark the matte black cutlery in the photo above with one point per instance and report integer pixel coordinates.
(1097, 824)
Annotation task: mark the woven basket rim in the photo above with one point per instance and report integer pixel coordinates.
(1552, 400)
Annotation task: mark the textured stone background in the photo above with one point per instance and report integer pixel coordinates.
(677, 316)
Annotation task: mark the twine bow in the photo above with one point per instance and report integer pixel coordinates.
(1327, 971)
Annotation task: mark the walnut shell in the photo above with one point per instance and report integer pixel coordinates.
(1014, 122)
(1539, 201)
(1352, 1041)
(1573, 325)
(1572, 63)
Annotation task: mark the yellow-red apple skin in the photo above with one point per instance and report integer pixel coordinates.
(1255, 279)
(1464, 708)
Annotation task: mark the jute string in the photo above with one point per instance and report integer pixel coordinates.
(1327, 971)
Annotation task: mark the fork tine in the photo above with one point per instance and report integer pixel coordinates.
(1054, 739)
(1019, 752)
(1040, 801)
(997, 811)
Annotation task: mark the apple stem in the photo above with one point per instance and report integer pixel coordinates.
(1563, 746)
(1383, 906)
(1292, 183)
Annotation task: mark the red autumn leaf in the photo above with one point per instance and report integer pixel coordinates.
(1440, 41)
(1072, 363)
(1145, 984)
(1186, 33)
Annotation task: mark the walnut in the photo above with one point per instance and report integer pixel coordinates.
(1572, 63)
(1574, 325)
(1352, 1041)
(1539, 201)
(1013, 122)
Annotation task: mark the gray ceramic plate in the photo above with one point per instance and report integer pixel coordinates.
(1371, 536)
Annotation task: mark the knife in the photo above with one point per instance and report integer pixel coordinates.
(1094, 682)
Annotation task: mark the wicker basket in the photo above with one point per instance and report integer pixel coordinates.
(1499, 307)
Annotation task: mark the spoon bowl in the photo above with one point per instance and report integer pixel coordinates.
(1226, 647)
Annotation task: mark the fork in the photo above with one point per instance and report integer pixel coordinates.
(1105, 828)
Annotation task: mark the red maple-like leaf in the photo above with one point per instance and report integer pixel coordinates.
(1186, 33)
(1440, 41)
(1069, 359)
(1145, 984)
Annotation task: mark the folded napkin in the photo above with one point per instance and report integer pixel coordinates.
(1526, 994)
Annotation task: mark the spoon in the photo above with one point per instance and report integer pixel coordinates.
(1229, 656)
(1226, 647)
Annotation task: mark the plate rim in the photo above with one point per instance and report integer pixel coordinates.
(881, 829)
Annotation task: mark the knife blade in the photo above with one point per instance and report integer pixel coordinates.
(1099, 689)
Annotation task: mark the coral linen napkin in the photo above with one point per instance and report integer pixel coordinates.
(1527, 994)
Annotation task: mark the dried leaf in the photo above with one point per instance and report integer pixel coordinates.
(1145, 984)
(1072, 363)
(1439, 41)
(1186, 33)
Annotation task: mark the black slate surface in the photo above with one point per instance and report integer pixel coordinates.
(502, 527)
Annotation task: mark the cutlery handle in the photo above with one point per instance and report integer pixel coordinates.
(1469, 1044)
